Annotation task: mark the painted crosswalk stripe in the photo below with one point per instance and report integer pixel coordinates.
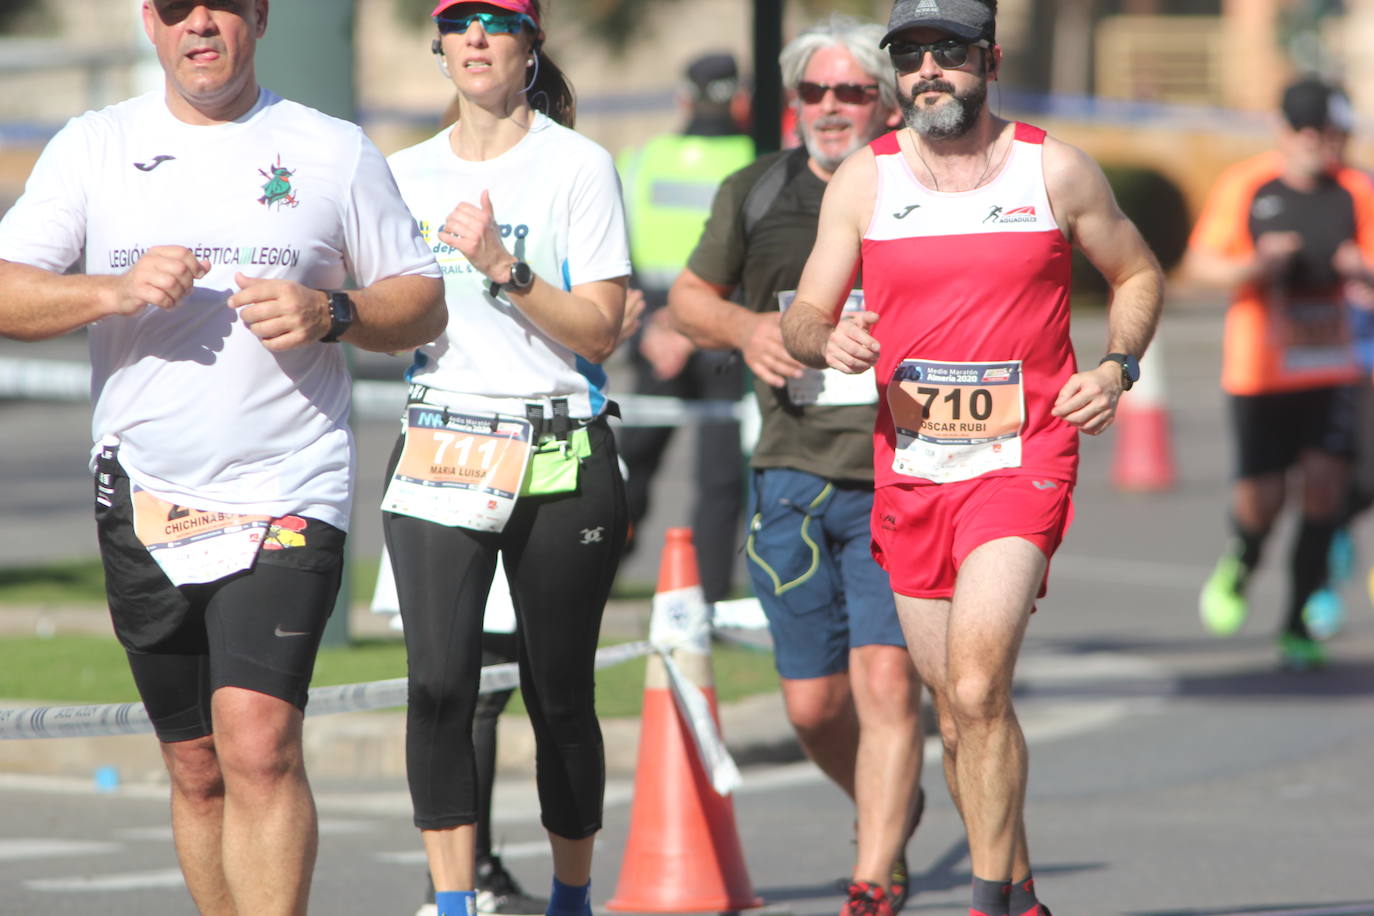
(14, 850)
(127, 881)
(508, 853)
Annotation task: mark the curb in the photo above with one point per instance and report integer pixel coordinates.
(370, 746)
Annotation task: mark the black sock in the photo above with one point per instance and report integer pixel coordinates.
(1023, 901)
(1248, 548)
(989, 897)
(1309, 569)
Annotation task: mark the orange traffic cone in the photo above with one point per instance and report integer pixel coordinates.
(683, 853)
(1144, 458)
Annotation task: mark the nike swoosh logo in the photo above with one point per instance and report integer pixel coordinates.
(157, 161)
(904, 213)
(280, 632)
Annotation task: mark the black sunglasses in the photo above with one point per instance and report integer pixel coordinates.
(949, 53)
(848, 93)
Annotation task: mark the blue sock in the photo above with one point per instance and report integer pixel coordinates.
(456, 903)
(569, 899)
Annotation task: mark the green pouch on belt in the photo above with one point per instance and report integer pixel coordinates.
(553, 465)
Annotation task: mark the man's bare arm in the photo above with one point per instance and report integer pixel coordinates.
(36, 304)
(811, 329)
(1084, 204)
(700, 311)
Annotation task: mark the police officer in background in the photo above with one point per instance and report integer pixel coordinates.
(669, 184)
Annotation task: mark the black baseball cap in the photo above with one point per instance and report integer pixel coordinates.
(713, 77)
(970, 20)
(1314, 103)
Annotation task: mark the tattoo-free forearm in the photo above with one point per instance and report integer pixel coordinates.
(805, 331)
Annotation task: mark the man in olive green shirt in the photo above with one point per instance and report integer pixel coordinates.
(848, 683)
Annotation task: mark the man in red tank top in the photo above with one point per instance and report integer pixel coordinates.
(963, 224)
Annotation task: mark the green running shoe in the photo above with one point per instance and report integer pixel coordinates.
(1300, 653)
(1221, 604)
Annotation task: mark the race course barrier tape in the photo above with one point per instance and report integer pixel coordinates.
(131, 719)
(65, 380)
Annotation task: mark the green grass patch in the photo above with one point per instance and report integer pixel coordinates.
(82, 669)
(74, 582)
(83, 582)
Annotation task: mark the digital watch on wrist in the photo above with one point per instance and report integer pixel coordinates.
(342, 312)
(1130, 368)
(521, 279)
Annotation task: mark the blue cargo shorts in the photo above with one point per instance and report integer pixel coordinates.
(813, 571)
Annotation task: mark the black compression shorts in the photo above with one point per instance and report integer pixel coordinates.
(258, 629)
(1271, 430)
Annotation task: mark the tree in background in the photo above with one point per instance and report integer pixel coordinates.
(17, 15)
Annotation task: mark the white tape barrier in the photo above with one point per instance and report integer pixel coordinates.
(131, 719)
(60, 380)
(681, 622)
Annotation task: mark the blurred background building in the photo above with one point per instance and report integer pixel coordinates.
(1179, 87)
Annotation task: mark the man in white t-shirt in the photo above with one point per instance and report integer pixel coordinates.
(214, 224)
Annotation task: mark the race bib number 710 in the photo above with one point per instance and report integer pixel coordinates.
(955, 421)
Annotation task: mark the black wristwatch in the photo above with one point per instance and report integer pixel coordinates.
(521, 279)
(1130, 368)
(341, 315)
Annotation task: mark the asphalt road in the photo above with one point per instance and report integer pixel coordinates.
(1173, 774)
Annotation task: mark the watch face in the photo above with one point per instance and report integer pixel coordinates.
(521, 275)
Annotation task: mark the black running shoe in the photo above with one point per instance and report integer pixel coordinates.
(499, 894)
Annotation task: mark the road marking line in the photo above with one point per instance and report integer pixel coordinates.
(510, 852)
(127, 881)
(1358, 909)
(32, 848)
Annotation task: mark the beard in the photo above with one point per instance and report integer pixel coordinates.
(943, 121)
(863, 135)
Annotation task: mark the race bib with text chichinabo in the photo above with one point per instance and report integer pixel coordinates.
(459, 470)
(956, 421)
(193, 545)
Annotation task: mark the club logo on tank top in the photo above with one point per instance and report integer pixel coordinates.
(1000, 216)
(278, 192)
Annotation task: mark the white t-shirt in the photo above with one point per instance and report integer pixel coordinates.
(557, 198)
(204, 414)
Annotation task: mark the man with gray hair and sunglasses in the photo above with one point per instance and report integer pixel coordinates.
(848, 682)
(963, 225)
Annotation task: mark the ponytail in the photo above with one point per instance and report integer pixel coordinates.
(552, 91)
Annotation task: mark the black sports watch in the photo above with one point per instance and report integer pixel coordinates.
(341, 315)
(1130, 368)
(521, 279)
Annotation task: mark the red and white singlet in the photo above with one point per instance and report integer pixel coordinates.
(973, 293)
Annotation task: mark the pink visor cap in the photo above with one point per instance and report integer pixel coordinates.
(515, 6)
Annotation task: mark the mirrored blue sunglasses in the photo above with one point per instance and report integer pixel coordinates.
(492, 23)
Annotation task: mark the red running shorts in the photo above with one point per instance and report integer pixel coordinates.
(921, 534)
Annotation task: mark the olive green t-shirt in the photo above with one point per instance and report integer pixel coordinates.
(834, 442)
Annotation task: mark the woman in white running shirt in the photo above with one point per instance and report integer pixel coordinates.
(505, 448)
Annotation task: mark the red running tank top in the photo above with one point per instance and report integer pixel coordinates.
(973, 293)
